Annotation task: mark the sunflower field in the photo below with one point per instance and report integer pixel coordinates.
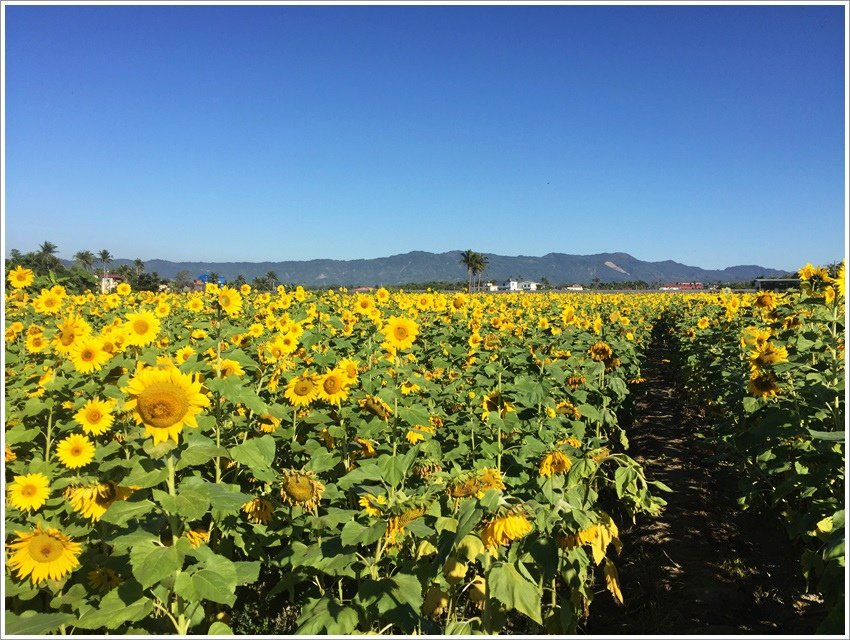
(770, 371)
(383, 462)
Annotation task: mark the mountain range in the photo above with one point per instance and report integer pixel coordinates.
(422, 266)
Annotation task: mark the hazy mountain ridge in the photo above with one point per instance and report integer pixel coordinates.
(423, 266)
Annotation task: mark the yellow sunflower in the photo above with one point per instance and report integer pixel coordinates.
(494, 401)
(142, 328)
(372, 505)
(75, 451)
(20, 277)
(400, 333)
(230, 301)
(228, 367)
(43, 554)
(88, 354)
(68, 330)
(95, 417)
(29, 492)
(48, 302)
(93, 501)
(501, 530)
(555, 462)
(258, 510)
(333, 386)
(767, 354)
(164, 401)
(301, 390)
(268, 423)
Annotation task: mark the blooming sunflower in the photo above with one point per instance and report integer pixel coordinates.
(400, 333)
(164, 401)
(301, 390)
(142, 328)
(47, 302)
(88, 355)
(333, 386)
(230, 301)
(702, 323)
(20, 277)
(75, 451)
(29, 492)
(197, 537)
(68, 330)
(767, 354)
(43, 554)
(301, 488)
(93, 501)
(95, 417)
(555, 462)
(228, 367)
(502, 529)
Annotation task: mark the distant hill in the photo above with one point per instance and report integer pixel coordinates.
(422, 266)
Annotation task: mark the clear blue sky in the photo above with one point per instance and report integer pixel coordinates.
(709, 135)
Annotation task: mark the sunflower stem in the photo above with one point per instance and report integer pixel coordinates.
(47, 440)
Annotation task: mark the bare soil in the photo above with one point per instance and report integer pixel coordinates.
(705, 566)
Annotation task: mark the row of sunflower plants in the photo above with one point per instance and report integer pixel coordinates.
(770, 370)
(381, 462)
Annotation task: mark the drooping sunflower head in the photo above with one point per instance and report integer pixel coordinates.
(376, 406)
(574, 382)
(495, 401)
(600, 351)
(763, 384)
(103, 579)
(567, 408)
(258, 510)
(425, 468)
(93, 501)
(504, 528)
(767, 354)
(301, 488)
(164, 401)
(43, 554)
(554, 463)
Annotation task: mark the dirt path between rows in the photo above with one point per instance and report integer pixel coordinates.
(704, 566)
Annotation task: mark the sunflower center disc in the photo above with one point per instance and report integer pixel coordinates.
(45, 548)
(162, 404)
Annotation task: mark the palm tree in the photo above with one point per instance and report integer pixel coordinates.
(467, 259)
(85, 259)
(105, 258)
(47, 253)
(479, 264)
(272, 279)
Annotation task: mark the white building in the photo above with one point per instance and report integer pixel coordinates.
(109, 281)
(575, 287)
(514, 285)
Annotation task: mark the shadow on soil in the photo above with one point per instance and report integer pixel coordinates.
(704, 566)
